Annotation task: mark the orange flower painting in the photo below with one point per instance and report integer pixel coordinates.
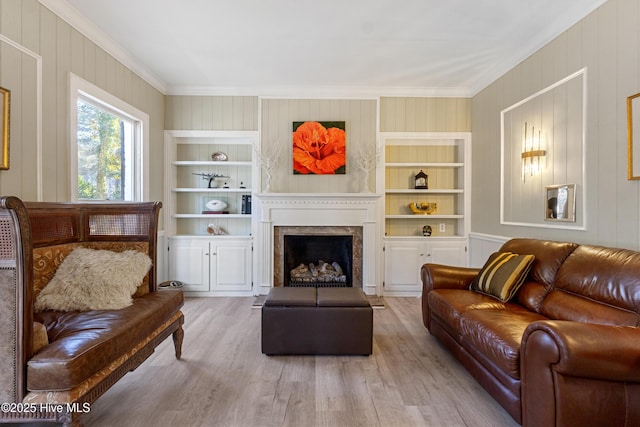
(319, 148)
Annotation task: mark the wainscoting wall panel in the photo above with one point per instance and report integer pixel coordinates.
(481, 246)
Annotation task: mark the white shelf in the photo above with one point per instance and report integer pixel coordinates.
(210, 163)
(195, 216)
(210, 190)
(424, 165)
(417, 191)
(423, 217)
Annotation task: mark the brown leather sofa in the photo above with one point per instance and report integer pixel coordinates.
(565, 351)
(78, 355)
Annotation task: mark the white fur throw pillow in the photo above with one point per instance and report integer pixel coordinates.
(90, 279)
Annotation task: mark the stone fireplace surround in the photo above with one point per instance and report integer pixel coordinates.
(344, 211)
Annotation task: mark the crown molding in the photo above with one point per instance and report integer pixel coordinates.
(68, 13)
(320, 92)
(64, 10)
(71, 16)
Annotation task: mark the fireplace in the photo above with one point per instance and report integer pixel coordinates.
(309, 245)
(315, 260)
(317, 214)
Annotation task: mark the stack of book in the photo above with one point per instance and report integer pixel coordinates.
(246, 204)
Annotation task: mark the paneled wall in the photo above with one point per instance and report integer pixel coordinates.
(277, 116)
(425, 114)
(63, 49)
(555, 125)
(607, 42)
(211, 112)
(19, 73)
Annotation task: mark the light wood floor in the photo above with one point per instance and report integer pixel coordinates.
(223, 379)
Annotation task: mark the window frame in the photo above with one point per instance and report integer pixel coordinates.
(80, 88)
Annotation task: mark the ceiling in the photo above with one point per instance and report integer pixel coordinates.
(286, 47)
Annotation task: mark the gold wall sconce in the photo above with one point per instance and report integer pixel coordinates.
(532, 153)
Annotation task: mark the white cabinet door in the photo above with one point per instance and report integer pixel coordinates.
(402, 262)
(447, 253)
(189, 263)
(231, 266)
(404, 258)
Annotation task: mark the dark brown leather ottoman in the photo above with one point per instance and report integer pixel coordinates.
(322, 321)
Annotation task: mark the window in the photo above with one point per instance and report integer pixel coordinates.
(108, 146)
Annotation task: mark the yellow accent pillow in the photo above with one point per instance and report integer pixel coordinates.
(502, 275)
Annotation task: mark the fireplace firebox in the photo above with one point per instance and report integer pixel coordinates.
(318, 260)
(341, 245)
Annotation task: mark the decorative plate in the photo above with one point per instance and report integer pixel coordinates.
(215, 205)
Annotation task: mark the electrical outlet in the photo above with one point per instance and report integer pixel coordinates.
(442, 227)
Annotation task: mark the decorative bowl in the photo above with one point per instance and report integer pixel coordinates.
(423, 208)
(219, 156)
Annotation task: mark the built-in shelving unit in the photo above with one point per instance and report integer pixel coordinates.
(445, 158)
(188, 154)
(209, 263)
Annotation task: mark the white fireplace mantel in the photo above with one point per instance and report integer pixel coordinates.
(316, 209)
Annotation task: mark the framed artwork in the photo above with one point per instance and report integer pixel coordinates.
(5, 104)
(633, 138)
(560, 203)
(319, 148)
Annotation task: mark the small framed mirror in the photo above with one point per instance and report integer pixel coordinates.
(633, 141)
(560, 203)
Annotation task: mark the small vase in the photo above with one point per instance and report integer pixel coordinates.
(267, 184)
(364, 188)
